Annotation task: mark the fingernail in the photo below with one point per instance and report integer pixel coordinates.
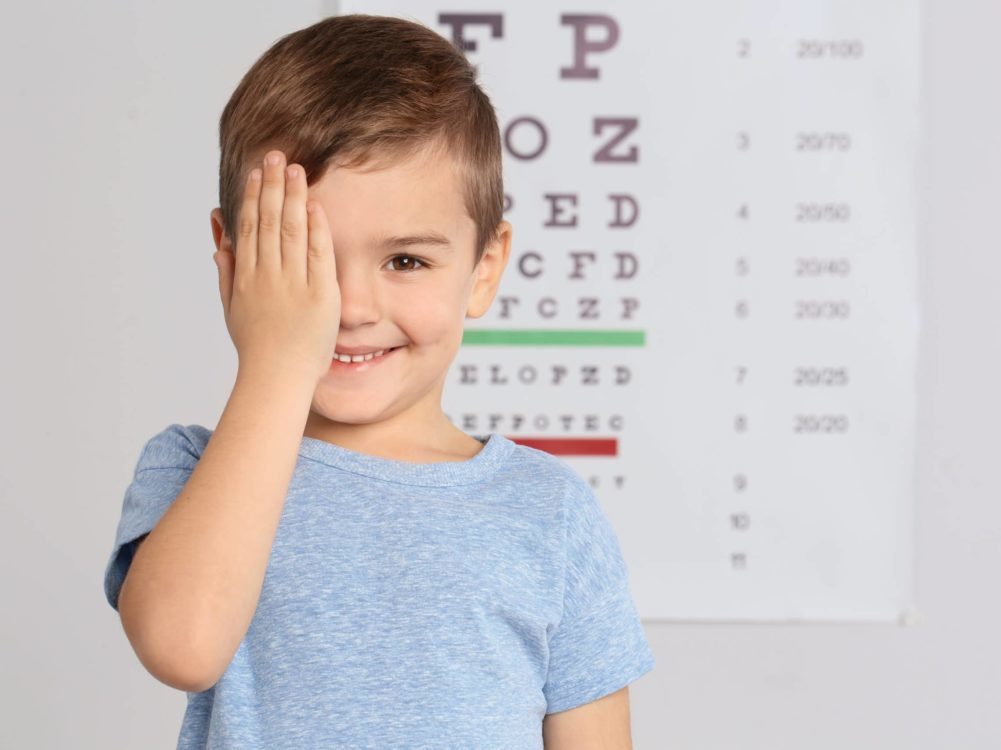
(273, 159)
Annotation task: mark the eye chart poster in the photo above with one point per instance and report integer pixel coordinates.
(710, 308)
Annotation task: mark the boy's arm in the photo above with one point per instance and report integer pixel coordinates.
(194, 582)
(603, 724)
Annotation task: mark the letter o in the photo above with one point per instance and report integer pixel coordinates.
(544, 138)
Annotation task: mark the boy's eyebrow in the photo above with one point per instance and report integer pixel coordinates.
(424, 238)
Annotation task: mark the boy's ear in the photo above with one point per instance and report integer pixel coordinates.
(489, 270)
(222, 241)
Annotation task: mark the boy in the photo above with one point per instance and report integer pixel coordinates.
(336, 564)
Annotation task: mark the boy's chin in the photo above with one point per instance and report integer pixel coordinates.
(323, 409)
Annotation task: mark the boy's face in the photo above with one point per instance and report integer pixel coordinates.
(389, 301)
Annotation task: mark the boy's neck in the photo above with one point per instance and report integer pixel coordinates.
(434, 443)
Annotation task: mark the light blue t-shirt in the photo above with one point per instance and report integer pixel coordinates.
(405, 605)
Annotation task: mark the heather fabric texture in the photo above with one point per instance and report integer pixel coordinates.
(405, 605)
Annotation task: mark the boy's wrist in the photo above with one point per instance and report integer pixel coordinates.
(274, 377)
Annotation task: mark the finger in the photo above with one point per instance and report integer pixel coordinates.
(321, 266)
(269, 248)
(294, 229)
(246, 227)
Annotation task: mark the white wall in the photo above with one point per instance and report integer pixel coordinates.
(113, 328)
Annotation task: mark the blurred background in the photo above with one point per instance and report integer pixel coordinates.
(114, 329)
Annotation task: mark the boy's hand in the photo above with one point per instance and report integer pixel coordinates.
(280, 293)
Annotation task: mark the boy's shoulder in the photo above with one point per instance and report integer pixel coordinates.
(538, 466)
(175, 446)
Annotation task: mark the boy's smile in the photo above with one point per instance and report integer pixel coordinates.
(404, 248)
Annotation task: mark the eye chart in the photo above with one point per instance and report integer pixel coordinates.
(710, 307)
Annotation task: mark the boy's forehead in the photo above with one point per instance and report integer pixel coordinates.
(404, 194)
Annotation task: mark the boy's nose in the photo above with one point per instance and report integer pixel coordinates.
(359, 297)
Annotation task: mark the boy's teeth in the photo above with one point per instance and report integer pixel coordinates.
(358, 357)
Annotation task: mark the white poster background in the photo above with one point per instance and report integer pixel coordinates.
(764, 429)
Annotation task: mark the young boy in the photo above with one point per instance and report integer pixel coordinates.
(336, 564)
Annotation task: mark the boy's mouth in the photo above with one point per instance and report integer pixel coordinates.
(344, 363)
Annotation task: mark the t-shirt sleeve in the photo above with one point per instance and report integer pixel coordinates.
(598, 646)
(165, 463)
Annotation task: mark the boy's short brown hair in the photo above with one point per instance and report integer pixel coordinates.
(363, 89)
